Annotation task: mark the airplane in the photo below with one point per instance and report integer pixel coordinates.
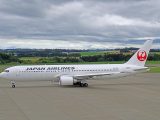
(78, 75)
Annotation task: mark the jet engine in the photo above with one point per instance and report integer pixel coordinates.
(66, 80)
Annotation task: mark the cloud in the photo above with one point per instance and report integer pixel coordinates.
(115, 20)
(61, 44)
(77, 23)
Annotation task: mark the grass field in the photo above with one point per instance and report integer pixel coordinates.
(97, 53)
(30, 58)
(33, 59)
(154, 70)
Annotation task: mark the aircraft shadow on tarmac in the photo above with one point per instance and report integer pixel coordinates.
(91, 86)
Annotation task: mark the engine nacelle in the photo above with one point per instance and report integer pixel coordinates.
(66, 80)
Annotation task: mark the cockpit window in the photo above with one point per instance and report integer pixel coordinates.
(6, 71)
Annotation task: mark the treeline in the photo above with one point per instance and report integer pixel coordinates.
(95, 58)
(5, 58)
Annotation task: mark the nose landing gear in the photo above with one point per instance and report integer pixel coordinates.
(13, 84)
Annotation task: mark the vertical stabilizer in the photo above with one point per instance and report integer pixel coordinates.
(140, 57)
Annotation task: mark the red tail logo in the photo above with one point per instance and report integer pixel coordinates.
(141, 55)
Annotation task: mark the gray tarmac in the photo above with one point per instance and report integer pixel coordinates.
(130, 98)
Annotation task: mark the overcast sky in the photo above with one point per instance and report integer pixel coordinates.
(80, 24)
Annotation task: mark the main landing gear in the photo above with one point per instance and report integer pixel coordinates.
(81, 84)
(13, 84)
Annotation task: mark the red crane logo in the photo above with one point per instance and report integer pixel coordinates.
(141, 55)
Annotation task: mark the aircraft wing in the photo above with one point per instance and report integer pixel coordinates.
(90, 75)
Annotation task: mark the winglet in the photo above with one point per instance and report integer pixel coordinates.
(140, 57)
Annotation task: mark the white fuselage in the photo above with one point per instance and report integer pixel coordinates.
(52, 72)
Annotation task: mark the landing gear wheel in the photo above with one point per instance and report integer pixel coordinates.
(85, 84)
(13, 86)
(81, 85)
